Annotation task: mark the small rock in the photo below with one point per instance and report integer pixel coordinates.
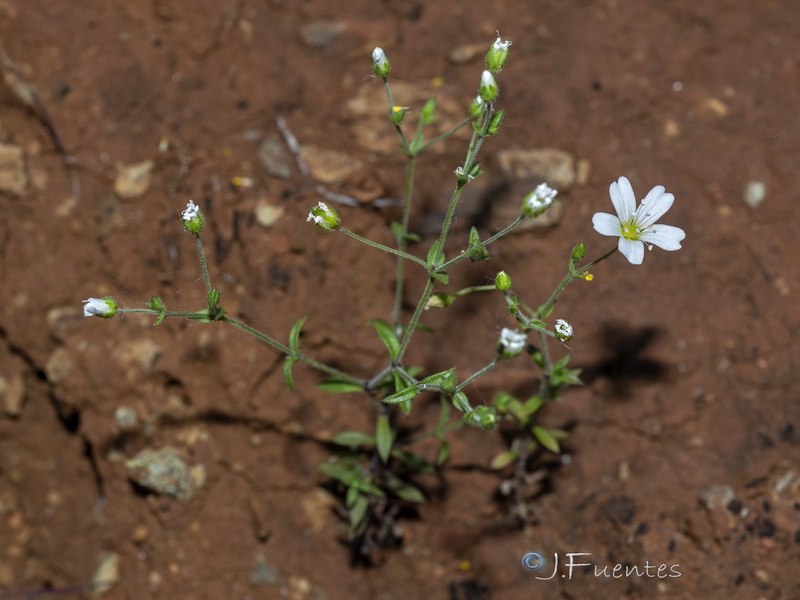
(273, 158)
(13, 393)
(717, 496)
(162, 471)
(329, 166)
(268, 214)
(13, 176)
(550, 165)
(126, 418)
(754, 193)
(106, 575)
(133, 180)
(264, 573)
(59, 364)
(144, 353)
(463, 54)
(321, 34)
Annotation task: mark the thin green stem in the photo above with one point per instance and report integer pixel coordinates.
(193, 315)
(477, 374)
(401, 246)
(547, 365)
(391, 108)
(412, 324)
(405, 255)
(573, 274)
(453, 261)
(203, 264)
(291, 353)
(443, 136)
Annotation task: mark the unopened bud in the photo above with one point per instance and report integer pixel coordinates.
(324, 217)
(488, 89)
(498, 55)
(503, 281)
(538, 201)
(380, 64)
(563, 330)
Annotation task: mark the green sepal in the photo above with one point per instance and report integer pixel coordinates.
(334, 385)
(287, 372)
(476, 250)
(384, 437)
(388, 336)
(461, 402)
(352, 439)
(440, 300)
(294, 335)
(213, 298)
(443, 277)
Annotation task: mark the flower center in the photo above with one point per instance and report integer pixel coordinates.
(629, 230)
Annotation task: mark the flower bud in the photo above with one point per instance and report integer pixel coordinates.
(563, 330)
(578, 252)
(397, 114)
(498, 55)
(193, 218)
(503, 281)
(488, 89)
(324, 217)
(380, 64)
(100, 307)
(538, 201)
(484, 417)
(477, 109)
(511, 343)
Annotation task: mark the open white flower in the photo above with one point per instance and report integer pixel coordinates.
(511, 343)
(636, 226)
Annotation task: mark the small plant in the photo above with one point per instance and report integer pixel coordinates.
(376, 471)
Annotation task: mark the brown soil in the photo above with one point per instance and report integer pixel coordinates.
(690, 358)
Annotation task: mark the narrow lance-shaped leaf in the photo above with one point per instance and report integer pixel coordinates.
(384, 437)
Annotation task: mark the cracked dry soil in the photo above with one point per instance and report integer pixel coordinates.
(684, 442)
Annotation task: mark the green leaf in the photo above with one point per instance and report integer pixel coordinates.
(443, 277)
(546, 439)
(435, 258)
(384, 437)
(403, 489)
(287, 372)
(444, 380)
(352, 439)
(358, 510)
(339, 386)
(294, 334)
(387, 335)
(350, 476)
(444, 451)
(476, 250)
(428, 113)
(402, 396)
(502, 460)
(415, 461)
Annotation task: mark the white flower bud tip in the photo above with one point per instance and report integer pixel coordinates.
(563, 330)
(539, 200)
(511, 343)
(100, 307)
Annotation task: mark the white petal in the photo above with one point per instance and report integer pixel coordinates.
(653, 207)
(605, 224)
(664, 236)
(633, 250)
(622, 198)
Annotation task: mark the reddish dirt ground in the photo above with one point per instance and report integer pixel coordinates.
(690, 359)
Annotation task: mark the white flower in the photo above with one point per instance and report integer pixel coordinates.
(538, 201)
(563, 330)
(100, 307)
(636, 226)
(380, 64)
(190, 212)
(511, 343)
(324, 217)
